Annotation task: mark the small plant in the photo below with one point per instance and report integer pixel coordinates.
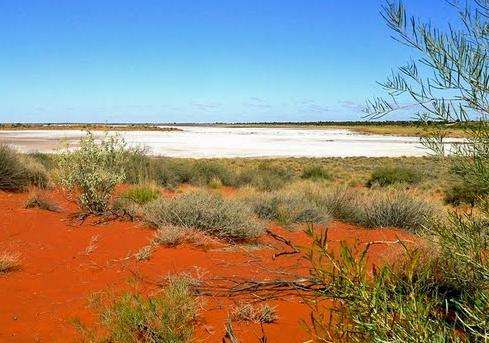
(315, 172)
(141, 194)
(168, 316)
(93, 171)
(9, 262)
(207, 212)
(144, 253)
(37, 200)
(170, 236)
(385, 176)
(248, 313)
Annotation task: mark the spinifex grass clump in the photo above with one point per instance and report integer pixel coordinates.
(37, 200)
(18, 172)
(168, 316)
(286, 207)
(93, 171)
(205, 211)
(385, 176)
(315, 172)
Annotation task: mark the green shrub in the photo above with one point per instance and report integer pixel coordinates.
(18, 172)
(265, 176)
(207, 212)
(385, 176)
(315, 172)
(93, 171)
(168, 316)
(138, 167)
(141, 194)
(471, 184)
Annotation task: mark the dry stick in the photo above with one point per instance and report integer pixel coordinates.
(285, 241)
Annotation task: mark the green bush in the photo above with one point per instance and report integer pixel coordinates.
(265, 176)
(18, 172)
(171, 173)
(207, 212)
(315, 172)
(168, 316)
(385, 176)
(93, 171)
(141, 194)
(471, 184)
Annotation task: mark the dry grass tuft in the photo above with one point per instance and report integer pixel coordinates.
(248, 313)
(37, 200)
(9, 262)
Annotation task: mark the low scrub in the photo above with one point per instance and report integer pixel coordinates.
(207, 212)
(168, 316)
(37, 200)
(141, 194)
(286, 207)
(9, 262)
(18, 172)
(92, 171)
(266, 176)
(170, 236)
(248, 313)
(385, 176)
(315, 172)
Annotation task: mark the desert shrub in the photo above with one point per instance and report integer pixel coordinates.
(141, 194)
(48, 161)
(315, 172)
(18, 172)
(138, 166)
(168, 316)
(265, 176)
(9, 262)
(207, 212)
(93, 171)
(397, 209)
(471, 185)
(126, 209)
(205, 171)
(340, 202)
(171, 173)
(286, 207)
(37, 200)
(438, 292)
(390, 175)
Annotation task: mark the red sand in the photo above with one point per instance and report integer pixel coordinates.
(63, 264)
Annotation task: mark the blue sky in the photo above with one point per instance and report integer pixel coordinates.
(195, 61)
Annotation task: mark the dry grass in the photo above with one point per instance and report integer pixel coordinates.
(9, 262)
(248, 313)
(37, 200)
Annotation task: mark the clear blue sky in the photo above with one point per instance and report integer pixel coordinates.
(194, 60)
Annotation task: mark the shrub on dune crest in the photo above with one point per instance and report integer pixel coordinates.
(207, 212)
(93, 171)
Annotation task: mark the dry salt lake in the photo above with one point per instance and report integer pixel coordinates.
(203, 141)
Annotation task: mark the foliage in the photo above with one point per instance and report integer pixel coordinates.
(94, 170)
(205, 211)
(385, 176)
(315, 172)
(141, 194)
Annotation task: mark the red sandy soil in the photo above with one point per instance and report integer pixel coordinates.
(64, 263)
